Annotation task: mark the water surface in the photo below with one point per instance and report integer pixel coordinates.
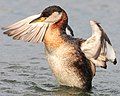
(23, 68)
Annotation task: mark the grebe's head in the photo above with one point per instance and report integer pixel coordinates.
(49, 11)
(52, 14)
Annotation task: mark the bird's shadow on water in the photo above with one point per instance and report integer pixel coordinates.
(60, 91)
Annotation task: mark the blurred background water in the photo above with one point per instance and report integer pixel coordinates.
(23, 68)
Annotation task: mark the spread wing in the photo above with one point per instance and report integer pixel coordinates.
(31, 32)
(24, 30)
(98, 47)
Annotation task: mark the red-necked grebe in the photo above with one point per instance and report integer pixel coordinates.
(73, 61)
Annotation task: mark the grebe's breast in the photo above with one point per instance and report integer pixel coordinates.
(67, 66)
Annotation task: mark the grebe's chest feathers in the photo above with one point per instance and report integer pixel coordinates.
(70, 66)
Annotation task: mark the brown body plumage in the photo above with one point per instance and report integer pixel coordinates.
(68, 63)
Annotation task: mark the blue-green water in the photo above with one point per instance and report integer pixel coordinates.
(23, 68)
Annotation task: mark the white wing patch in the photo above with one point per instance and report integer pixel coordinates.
(69, 31)
(98, 47)
(91, 47)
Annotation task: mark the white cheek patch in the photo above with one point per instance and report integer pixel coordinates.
(54, 17)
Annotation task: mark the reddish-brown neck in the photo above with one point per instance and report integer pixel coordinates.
(53, 37)
(63, 22)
